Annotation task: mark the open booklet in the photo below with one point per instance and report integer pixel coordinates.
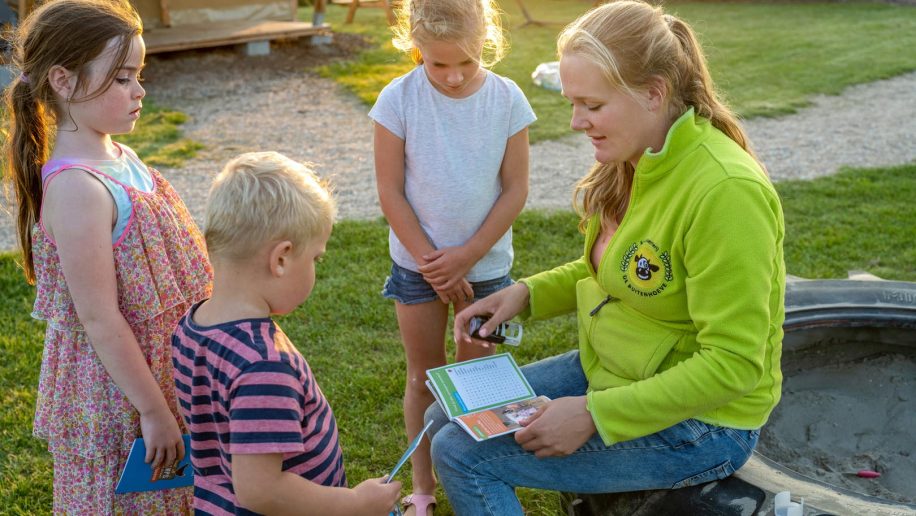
(486, 396)
(140, 476)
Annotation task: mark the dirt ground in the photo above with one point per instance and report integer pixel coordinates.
(289, 55)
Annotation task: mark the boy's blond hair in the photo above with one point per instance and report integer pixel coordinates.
(265, 197)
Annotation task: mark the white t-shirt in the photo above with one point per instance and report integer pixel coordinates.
(453, 152)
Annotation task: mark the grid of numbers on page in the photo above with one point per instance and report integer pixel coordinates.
(482, 384)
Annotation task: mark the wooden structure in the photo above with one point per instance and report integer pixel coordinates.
(356, 4)
(541, 23)
(170, 25)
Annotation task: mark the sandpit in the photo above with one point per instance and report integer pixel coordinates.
(845, 416)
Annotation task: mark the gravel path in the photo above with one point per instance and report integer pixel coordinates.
(238, 104)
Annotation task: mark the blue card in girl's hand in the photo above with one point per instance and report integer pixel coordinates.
(408, 452)
(140, 476)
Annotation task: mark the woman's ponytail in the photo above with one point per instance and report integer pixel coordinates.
(635, 44)
(695, 87)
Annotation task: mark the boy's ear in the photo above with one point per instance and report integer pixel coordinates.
(62, 81)
(280, 255)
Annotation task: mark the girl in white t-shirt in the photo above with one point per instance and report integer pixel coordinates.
(451, 161)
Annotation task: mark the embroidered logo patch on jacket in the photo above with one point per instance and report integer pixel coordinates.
(646, 270)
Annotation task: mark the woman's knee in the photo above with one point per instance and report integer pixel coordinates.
(449, 447)
(435, 414)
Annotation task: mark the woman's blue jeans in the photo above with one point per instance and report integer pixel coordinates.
(481, 477)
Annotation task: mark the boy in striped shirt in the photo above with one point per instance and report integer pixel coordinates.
(263, 437)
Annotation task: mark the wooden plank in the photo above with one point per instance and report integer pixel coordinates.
(351, 11)
(164, 16)
(318, 13)
(531, 21)
(225, 4)
(384, 4)
(207, 35)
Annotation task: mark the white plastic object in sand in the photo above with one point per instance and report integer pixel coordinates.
(784, 506)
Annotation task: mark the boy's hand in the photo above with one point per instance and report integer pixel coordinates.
(377, 497)
(443, 268)
(162, 438)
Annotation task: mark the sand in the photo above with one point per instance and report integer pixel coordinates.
(837, 419)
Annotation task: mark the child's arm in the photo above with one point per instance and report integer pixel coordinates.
(78, 213)
(262, 486)
(389, 173)
(444, 267)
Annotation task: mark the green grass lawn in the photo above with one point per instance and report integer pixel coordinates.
(156, 137)
(768, 59)
(859, 219)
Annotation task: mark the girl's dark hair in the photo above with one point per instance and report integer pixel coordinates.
(633, 43)
(66, 33)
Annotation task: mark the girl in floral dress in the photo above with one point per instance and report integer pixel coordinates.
(114, 254)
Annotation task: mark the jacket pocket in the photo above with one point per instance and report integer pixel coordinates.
(628, 345)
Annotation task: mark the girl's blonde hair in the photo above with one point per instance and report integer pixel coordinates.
(635, 43)
(66, 33)
(263, 197)
(474, 25)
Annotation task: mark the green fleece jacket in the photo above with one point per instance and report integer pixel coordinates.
(683, 318)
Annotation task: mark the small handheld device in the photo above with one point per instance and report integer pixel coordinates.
(505, 333)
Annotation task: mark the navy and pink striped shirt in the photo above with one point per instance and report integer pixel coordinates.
(243, 388)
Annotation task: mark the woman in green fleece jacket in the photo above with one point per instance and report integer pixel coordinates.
(679, 292)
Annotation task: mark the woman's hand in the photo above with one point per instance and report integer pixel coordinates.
(162, 437)
(445, 267)
(500, 306)
(558, 428)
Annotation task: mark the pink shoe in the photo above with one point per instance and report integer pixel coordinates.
(420, 501)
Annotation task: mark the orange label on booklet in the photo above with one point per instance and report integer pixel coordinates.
(484, 424)
(501, 420)
(163, 472)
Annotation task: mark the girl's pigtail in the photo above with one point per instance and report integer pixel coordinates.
(27, 149)
(697, 89)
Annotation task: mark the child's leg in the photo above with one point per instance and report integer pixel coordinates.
(422, 329)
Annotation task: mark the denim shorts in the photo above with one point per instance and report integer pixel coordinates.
(409, 288)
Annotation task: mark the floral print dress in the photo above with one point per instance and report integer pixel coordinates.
(162, 269)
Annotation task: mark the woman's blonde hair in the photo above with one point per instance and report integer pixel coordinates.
(474, 25)
(265, 197)
(66, 33)
(634, 44)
